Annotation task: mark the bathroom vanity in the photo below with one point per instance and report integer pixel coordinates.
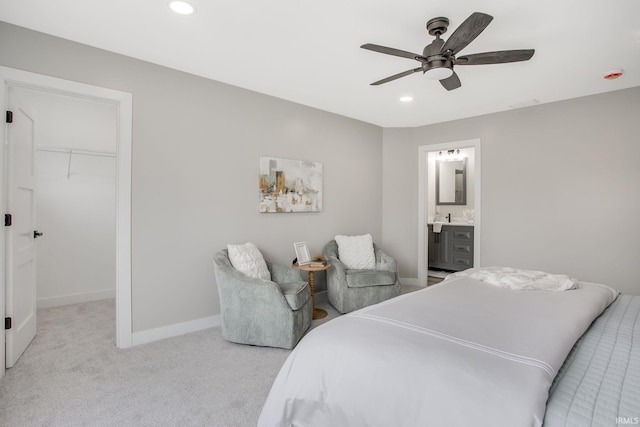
(452, 248)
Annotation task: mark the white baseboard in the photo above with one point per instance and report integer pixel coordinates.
(76, 298)
(321, 297)
(156, 334)
(150, 335)
(410, 281)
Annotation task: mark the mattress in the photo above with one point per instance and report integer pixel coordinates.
(599, 383)
(460, 353)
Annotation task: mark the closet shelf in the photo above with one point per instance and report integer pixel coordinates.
(69, 150)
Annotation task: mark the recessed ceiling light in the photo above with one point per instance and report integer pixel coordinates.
(406, 99)
(182, 7)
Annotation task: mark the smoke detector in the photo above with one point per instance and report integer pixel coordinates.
(612, 75)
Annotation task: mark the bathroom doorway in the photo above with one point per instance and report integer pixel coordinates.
(468, 214)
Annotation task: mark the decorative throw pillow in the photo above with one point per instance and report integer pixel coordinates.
(248, 259)
(356, 252)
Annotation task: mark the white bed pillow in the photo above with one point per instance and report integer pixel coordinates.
(248, 259)
(356, 252)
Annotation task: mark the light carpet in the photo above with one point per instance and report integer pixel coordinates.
(73, 375)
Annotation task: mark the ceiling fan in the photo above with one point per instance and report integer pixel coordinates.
(439, 57)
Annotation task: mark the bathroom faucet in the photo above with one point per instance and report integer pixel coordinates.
(449, 217)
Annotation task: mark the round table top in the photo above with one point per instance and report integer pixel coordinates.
(310, 267)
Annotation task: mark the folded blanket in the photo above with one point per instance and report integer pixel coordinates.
(513, 278)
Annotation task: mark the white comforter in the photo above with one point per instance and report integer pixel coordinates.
(461, 353)
(524, 280)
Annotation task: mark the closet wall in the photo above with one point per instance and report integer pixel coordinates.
(76, 181)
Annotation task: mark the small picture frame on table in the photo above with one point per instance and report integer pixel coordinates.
(302, 253)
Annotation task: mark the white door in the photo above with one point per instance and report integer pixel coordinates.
(20, 236)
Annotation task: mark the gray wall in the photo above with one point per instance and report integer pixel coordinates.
(196, 145)
(560, 187)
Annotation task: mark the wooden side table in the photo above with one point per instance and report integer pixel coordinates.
(318, 313)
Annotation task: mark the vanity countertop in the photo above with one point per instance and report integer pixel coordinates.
(453, 223)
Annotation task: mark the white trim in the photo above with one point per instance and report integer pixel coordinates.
(124, 101)
(76, 298)
(3, 129)
(321, 297)
(411, 281)
(151, 335)
(124, 322)
(423, 200)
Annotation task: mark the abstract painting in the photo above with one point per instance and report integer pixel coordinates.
(290, 185)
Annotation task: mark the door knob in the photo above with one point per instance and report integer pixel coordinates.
(36, 234)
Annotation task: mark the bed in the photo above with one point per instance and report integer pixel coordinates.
(464, 352)
(599, 383)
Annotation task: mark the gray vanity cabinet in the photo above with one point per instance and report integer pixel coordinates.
(452, 248)
(439, 248)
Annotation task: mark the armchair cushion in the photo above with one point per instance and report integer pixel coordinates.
(364, 278)
(356, 252)
(247, 259)
(295, 293)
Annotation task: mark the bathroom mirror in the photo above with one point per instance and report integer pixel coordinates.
(451, 182)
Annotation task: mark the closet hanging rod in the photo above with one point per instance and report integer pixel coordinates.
(69, 150)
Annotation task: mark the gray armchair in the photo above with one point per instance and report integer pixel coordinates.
(349, 290)
(260, 312)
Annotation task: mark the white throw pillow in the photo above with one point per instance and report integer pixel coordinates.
(356, 252)
(248, 259)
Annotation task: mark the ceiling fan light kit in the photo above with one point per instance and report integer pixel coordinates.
(438, 73)
(439, 57)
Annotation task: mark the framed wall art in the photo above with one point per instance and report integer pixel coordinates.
(289, 185)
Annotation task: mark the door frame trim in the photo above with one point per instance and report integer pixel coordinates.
(423, 201)
(124, 102)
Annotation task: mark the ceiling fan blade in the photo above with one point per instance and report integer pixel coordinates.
(396, 76)
(451, 83)
(498, 57)
(392, 51)
(467, 32)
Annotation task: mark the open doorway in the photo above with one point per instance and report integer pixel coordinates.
(466, 214)
(121, 103)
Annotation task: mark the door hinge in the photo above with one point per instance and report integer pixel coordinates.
(8, 220)
(7, 322)
(9, 117)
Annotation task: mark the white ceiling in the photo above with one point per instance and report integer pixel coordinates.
(309, 51)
